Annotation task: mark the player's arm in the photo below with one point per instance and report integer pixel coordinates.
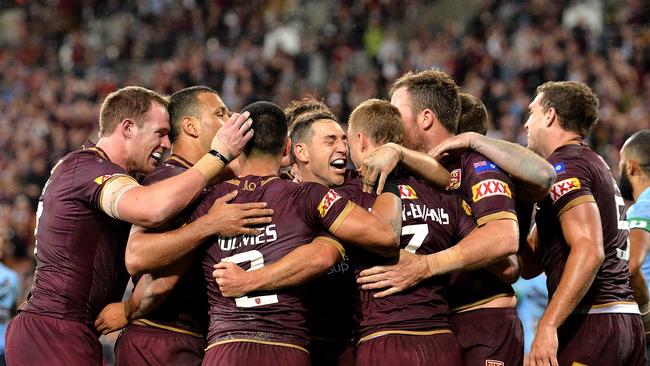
(383, 161)
(485, 245)
(149, 206)
(639, 242)
(530, 261)
(581, 227)
(534, 175)
(378, 230)
(150, 291)
(299, 266)
(506, 270)
(149, 251)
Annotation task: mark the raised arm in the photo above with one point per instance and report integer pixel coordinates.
(534, 175)
(382, 161)
(149, 251)
(299, 266)
(581, 227)
(149, 206)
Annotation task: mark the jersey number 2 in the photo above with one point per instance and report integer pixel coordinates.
(257, 261)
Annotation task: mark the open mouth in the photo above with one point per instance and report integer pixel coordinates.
(156, 156)
(339, 164)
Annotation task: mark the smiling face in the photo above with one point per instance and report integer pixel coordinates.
(327, 152)
(213, 113)
(148, 142)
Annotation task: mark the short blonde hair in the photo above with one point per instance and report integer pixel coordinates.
(379, 120)
(129, 102)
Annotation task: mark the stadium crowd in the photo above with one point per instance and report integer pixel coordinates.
(61, 59)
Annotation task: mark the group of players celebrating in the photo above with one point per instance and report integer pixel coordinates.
(254, 244)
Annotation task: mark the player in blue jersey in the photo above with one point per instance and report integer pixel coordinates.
(634, 168)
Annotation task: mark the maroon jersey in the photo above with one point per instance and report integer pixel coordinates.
(583, 176)
(490, 194)
(79, 249)
(186, 307)
(432, 221)
(299, 212)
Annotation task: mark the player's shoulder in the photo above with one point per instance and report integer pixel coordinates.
(162, 172)
(641, 208)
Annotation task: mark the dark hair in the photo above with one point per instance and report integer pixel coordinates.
(304, 106)
(269, 126)
(301, 131)
(574, 102)
(184, 103)
(473, 115)
(129, 102)
(379, 120)
(434, 90)
(638, 146)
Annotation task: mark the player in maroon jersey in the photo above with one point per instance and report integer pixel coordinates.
(82, 227)
(270, 327)
(173, 333)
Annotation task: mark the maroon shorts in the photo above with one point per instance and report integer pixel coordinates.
(400, 349)
(252, 353)
(489, 335)
(34, 339)
(602, 339)
(142, 345)
(331, 353)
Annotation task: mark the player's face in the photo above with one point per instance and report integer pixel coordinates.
(149, 141)
(328, 153)
(213, 114)
(624, 183)
(535, 125)
(402, 100)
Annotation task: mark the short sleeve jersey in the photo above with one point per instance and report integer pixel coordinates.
(583, 176)
(638, 217)
(490, 194)
(186, 307)
(432, 221)
(79, 249)
(300, 211)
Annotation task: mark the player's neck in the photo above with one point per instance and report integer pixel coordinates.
(561, 138)
(189, 150)
(260, 165)
(114, 148)
(436, 138)
(640, 187)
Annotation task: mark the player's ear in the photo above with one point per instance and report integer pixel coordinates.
(301, 153)
(287, 147)
(190, 126)
(427, 118)
(550, 116)
(631, 167)
(127, 127)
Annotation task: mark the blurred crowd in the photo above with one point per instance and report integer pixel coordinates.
(60, 58)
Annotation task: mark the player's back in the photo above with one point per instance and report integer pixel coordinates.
(583, 176)
(277, 316)
(432, 221)
(79, 249)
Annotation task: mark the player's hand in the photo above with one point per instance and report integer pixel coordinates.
(232, 279)
(378, 165)
(455, 145)
(231, 219)
(543, 352)
(233, 135)
(112, 318)
(406, 273)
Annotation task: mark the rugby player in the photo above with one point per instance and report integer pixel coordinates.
(483, 310)
(83, 218)
(173, 333)
(634, 181)
(580, 241)
(269, 328)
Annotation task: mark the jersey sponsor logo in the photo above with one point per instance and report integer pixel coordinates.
(454, 180)
(559, 167)
(327, 202)
(485, 166)
(494, 363)
(466, 208)
(103, 178)
(407, 192)
(489, 188)
(563, 187)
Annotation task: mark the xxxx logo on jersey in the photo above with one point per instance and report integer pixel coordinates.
(327, 202)
(488, 188)
(407, 192)
(101, 179)
(563, 187)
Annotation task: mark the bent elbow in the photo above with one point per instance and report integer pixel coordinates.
(133, 265)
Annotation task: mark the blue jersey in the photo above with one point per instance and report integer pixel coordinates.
(9, 292)
(638, 216)
(532, 298)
